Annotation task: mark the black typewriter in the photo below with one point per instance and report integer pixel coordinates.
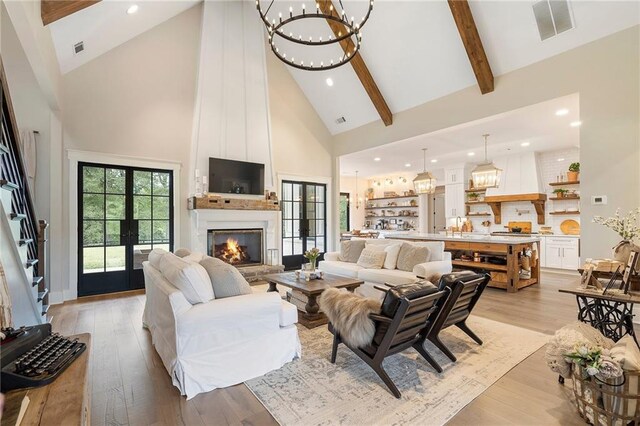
(33, 356)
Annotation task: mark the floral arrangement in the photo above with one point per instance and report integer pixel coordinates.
(595, 361)
(627, 226)
(313, 256)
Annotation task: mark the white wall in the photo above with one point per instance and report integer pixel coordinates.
(605, 75)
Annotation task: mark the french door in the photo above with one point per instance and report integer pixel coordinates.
(304, 220)
(123, 213)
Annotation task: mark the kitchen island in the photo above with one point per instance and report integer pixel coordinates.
(508, 250)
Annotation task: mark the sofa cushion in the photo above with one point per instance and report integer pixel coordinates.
(626, 352)
(350, 250)
(226, 280)
(373, 259)
(337, 267)
(392, 250)
(155, 257)
(190, 278)
(182, 252)
(387, 276)
(436, 248)
(288, 314)
(411, 255)
(194, 257)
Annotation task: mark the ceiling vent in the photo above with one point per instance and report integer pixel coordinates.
(78, 47)
(341, 120)
(553, 17)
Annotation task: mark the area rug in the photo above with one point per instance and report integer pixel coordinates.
(312, 391)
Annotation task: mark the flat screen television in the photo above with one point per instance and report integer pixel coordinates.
(236, 177)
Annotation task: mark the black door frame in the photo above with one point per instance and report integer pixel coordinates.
(130, 278)
(294, 261)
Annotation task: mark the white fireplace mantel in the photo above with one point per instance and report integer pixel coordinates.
(269, 220)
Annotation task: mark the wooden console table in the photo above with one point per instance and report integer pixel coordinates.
(65, 401)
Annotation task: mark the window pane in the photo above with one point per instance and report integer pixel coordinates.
(93, 206)
(92, 260)
(287, 210)
(141, 182)
(113, 233)
(311, 243)
(319, 227)
(287, 192)
(320, 244)
(311, 210)
(297, 192)
(288, 228)
(160, 183)
(297, 210)
(93, 179)
(115, 207)
(320, 190)
(297, 246)
(160, 230)
(141, 207)
(144, 231)
(320, 211)
(311, 193)
(312, 228)
(161, 207)
(115, 181)
(93, 233)
(115, 258)
(287, 247)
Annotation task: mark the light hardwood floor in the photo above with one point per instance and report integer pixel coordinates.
(131, 386)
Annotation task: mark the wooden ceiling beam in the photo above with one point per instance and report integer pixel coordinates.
(358, 65)
(52, 10)
(472, 43)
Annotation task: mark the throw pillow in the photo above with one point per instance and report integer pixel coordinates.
(371, 258)
(626, 352)
(411, 256)
(155, 257)
(349, 315)
(182, 252)
(350, 250)
(226, 280)
(392, 251)
(190, 278)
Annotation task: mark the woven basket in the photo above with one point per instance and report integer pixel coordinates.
(614, 402)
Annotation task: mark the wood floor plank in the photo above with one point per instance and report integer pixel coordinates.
(131, 386)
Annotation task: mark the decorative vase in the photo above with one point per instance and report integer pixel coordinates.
(623, 249)
(573, 176)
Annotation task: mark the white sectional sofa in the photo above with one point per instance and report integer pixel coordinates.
(219, 343)
(438, 264)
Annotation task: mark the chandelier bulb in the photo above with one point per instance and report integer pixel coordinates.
(332, 62)
(320, 39)
(284, 55)
(331, 8)
(317, 7)
(290, 11)
(311, 64)
(310, 39)
(290, 34)
(321, 64)
(303, 9)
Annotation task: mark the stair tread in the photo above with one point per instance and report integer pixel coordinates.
(45, 308)
(4, 149)
(31, 262)
(42, 294)
(8, 185)
(25, 241)
(18, 216)
(36, 281)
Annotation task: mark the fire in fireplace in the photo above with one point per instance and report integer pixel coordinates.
(238, 247)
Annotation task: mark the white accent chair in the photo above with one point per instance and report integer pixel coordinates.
(439, 264)
(219, 343)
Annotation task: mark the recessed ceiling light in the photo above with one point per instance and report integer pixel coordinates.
(525, 144)
(471, 154)
(434, 160)
(329, 81)
(132, 9)
(377, 159)
(560, 159)
(575, 123)
(562, 111)
(408, 165)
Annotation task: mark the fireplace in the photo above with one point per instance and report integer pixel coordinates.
(238, 247)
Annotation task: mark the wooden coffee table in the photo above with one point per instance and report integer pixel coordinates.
(306, 293)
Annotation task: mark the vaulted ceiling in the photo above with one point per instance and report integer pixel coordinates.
(412, 48)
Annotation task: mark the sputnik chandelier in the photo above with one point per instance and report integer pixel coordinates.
(345, 31)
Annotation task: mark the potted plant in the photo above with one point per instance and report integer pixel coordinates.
(573, 175)
(560, 193)
(473, 196)
(627, 227)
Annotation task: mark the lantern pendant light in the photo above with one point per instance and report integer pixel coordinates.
(357, 194)
(425, 182)
(486, 175)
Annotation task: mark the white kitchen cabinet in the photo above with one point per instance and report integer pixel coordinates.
(543, 251)
(454, 176)
(454, 200)
(562, 252)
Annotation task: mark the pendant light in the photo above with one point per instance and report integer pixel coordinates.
(486, 175)
(424, 183)
(357, 194)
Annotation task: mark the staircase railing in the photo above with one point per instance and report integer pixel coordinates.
(13, 170)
